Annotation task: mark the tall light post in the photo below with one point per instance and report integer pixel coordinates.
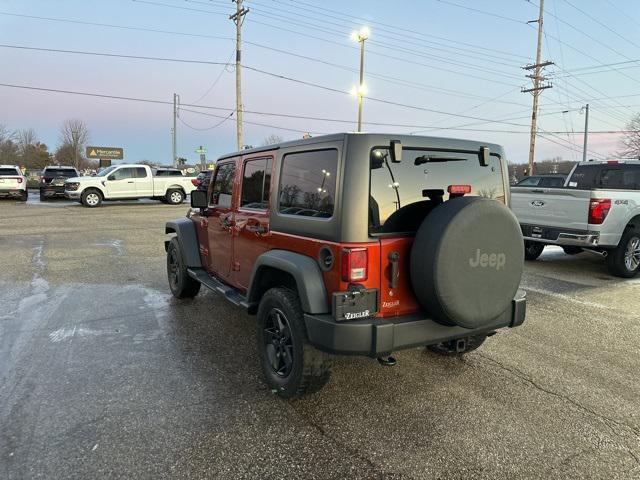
(360, 36)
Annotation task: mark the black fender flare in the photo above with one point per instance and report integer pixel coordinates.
(185, 230)
(304, 270)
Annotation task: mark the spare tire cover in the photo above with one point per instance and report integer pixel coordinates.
(466, 261)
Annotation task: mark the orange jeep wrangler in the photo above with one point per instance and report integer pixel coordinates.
(355, 244)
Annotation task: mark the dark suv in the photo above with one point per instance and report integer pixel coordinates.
(53, 179)
(355, 244)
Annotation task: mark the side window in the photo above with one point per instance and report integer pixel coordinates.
(584, 177)
(256, 182)
(221, 193)
(141, 172)
(123, 173)
(529, 182)
(308, 183)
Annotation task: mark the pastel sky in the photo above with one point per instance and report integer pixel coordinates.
(445, 57)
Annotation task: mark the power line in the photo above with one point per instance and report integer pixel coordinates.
(258, 70)
(217, 79)
(601, 24)
(224, 119)
(164, 102)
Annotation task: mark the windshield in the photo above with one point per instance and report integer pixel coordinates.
(402, 194)
(60, 172)
(106, 171)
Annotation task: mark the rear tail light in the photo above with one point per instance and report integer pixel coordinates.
(354, 264)
(598, 210)
(195, 182)
(458, 190)
(19, 179)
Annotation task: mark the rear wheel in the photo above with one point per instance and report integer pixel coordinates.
(42, 197)
(571, 250)
(24, 196)
(532, 250)
(180, 283)
(624, 260)
(457, 347)
(175, 197)
(291, 366)
(91, 198)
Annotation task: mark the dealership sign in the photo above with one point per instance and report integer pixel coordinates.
(110, 153)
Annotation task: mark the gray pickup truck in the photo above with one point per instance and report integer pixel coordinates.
(597, 209)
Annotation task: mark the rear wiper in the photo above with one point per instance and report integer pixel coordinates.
(430, 159)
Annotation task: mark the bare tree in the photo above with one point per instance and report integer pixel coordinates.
(631, 139)
(272, 140)
(8, 148)
(75, 134)
(26, 140)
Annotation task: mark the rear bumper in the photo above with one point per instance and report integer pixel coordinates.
(561, 236)
(376, 337)
(51, 191)
(12, 192)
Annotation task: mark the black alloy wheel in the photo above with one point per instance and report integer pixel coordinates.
(278, 342)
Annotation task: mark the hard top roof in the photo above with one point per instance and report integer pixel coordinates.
(378, 138)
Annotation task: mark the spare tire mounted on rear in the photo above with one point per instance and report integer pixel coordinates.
(466, 261)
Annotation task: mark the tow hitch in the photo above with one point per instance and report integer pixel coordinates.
(460, 345)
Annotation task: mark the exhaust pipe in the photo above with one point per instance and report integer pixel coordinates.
(600, 253)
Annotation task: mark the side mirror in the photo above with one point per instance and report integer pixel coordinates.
(377, 159)
(395, 149)
(199, 199)
(111, 178)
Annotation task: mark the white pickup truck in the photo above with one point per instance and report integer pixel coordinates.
(125, 182)
(597, 209)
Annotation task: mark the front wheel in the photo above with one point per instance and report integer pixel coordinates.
(532, 250)
(175, 197)
(180, 283)
(291, 366)
(624, 260)
(91, 198)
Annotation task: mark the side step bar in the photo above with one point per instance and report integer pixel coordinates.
(217, 286)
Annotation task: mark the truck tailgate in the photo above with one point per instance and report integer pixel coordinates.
(551, 207)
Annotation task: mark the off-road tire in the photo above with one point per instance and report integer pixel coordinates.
(572, 250)
(174, 197)
(618, 262)
(91, 198)
(448, 349)
(532, 250)
(180, 283)
(311, 368)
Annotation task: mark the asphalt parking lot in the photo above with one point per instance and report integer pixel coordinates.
(104, 374)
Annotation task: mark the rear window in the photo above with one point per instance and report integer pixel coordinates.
(168, 173)
(60, 172)
(308, 183)
(9, 172)
(402, 194)
(606, 176)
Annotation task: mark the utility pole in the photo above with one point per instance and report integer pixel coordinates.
(174, 131)
(238, 19)
(537, 86)
(360, 37)
(586, 132)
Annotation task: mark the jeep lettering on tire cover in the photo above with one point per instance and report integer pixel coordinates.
(466, 261)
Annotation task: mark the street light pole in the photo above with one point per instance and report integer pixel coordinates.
(586, 132)
(360, 37)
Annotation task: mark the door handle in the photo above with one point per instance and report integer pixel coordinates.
(130, 181)
(257, 229)
(394, 259)
(537, 190)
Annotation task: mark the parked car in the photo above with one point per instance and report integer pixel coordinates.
(53, 180)
(597, 210)
(355, 244)
(553, 180)
(13, 183)
(126, 182)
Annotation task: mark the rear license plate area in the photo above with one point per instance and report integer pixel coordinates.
(355, 305)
